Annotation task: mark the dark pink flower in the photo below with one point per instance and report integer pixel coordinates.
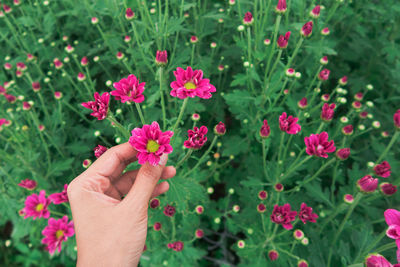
(383, 169)
(151, 143)
(261, 208)
(57, 63)
(281, 7)
(161, 58)
(306, 214)
(220, 129)
(265, 130)
(283, 40)
(56, 232)
(278, 187)
(58, 198)
(27, 183)
(177, 246)
(36, 86)
(157, 226)
(262, 195)
(306, 30)
(302, 263)
(154, 203)
(396, 119)
(392, 218)
(129, 90)
(248, 19)
(99, 150)
(283, 215)
(377, 260)
(324, 74)
(10, 98)
(359, 96)
(302, 103)
(199, 233)
(348, 129)
(21, 66)
(273, 255)
(289, 124)
(84, 61)
(196, 138)
(343, 153)
(169, 210)
(367, 184)
(190, 83)
(328, 110)
(129, 14)
(318, 145)
(36, 206)
(99, 106)
(388, 189)
(315, 12)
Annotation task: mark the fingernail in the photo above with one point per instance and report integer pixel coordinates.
(163, 159)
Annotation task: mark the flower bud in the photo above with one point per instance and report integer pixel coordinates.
(306, 30)
(261, 208)
(161, 58)
(154, 203)
(348, 198)
(315, 12)
(199, 233)
(298, 234)
(367, 184)
(241, 244)
(273, 255)
(194, 39)
(324, 60)
(343, 153)
(129, 14)
(302, 263)
(263, 195)
(325, 31)
(278, 187)
(220, 129)
(388, 189)
(281, 7)
(248, 19)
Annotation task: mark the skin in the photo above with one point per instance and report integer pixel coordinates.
(111, 231)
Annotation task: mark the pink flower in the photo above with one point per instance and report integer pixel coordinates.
(157, 226)
(377, 260)
(99, 106)
(283, 40)
(57, 63)
(190, 83)
(36, 86)
(325, 31)
(177, 246)
(21, 66)
(194, 39)
(58, 198)
(289, 124)
(318, 145)
(348, 129)
(302, 103)
(220, 129)
(10, 98)
(367, 184)
(154, 203)
(324, 75)
(281, 7)
(199, 233)
(328, 110)
(56, 232)
(27, 183)
(129, 14)
(161, 58)
(383, 169)
(315, 12)
(261, 208)
(273, 255)
(262, 195)
(396, 119)
(129, 90)
(196, 138)
(84, 61)
(36, 206)
(306, 30)
(151, 143)
(388, 189)
(343, 153)
(306, 214)
(169, 210)
(343, 81)
(265, 130)
(283, 215)
(248, 19)
(99, 150)
(392, 218)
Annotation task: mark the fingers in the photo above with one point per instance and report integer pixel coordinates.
(161, 188)
(145, 183)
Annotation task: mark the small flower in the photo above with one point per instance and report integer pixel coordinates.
(58, 198)
(84, 61)
(283, 40)
(157, 226)
(94, 20)
(348, 129)
(367, 184)
(278, 187)
(306, 30)
(325, 31)
(190, 83)
(306, 214)
(315, 12)
(129, 90)
(195, 117)
(273, 255)
(199, 233)
(169, 210)
(248, 19)
(261, 208)
(298, 234)
(58, 95)
(324, 60)
(262, 195)
(177, 246)
(81, 77)
(99, 150)
(196, 138)
(150, 143)
(241, 244)
(328, 110)
(290, 72)
(28, 184)
(99, 106)
(220, 129)
(348, 198)
(281, 7)
(36, 206)
(388, 189)
(26, 105)
(129, 14)
(56, 232)
(324, 75)
(161, 58)
(343, 81)
(302, 263)
(86, 163)
(318, 145)
(283, 215)
(199, 209)
(69, 49)
(302, 103)
(377, 260)
(7, 9)
(265, 130)
(120, 55)
(267, 42)
(7, 66)
(154, 203)
(194, 39)
(392, 218)
(289, 124)
(57, 63)
(396, 119)
(383, 169)
(343, 153)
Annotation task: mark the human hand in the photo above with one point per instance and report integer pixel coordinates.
(111, 231)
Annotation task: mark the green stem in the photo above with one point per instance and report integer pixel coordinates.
(180, 114)
(277, 22)
(249, 44)
(371, 246)
(264, 153)
(123, 131)
(140, 113)
(187, 156)
(164, 116)
(200, 161)
(292, 169)
(392, 141)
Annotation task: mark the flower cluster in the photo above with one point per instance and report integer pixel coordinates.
(285, 216)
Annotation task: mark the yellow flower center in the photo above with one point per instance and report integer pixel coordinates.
(190, 86)
(59, 233)
(152, 146)
(39, 207)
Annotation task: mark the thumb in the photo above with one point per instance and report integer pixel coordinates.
(146, 180)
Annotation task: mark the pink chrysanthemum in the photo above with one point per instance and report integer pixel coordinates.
(36, 206)
(151, 143)
(27, 183)
(396, 119)
(306, 30)
(388, 189)
(196, 138)
(129, 89)
(318, 145)
(377, 260)
(367, 184)
(161, 58)
(315, 12)
(328, 110)
(283, 215)
(190, 83)
(324, 75)
(392, 218)
(99, 150)
(306, 214)
(281, 7)
(383, 169)
(58, 198)
(56, 232)
(289, 124)
(99, 106)
(248, 19)
(283, 40)
(265, 130)
(169, 210)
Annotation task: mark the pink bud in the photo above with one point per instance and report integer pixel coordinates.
(265, 130)
(367, 184)
(343, 153)
(302, 263)
(161, 58)
(283, 40)
(356, 104)
(315, 12)
(84, 61)
(248, 19)
(220, 129)
(157, 226)
(262, 195)
(343, 81)
(26, 106)
(325, 31)
(281, 7)
(261, 208)
(348, 129)
(7, 66)
(324, 75)
(348, 198)
(278, 187)
(306, 30)
(273, 255)
(194, 39)
(388, 189)
(36, 86)
(324, 60)
(154, 203)
(396, 119)
(129, 14)
(199, 233)
(302, 103)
